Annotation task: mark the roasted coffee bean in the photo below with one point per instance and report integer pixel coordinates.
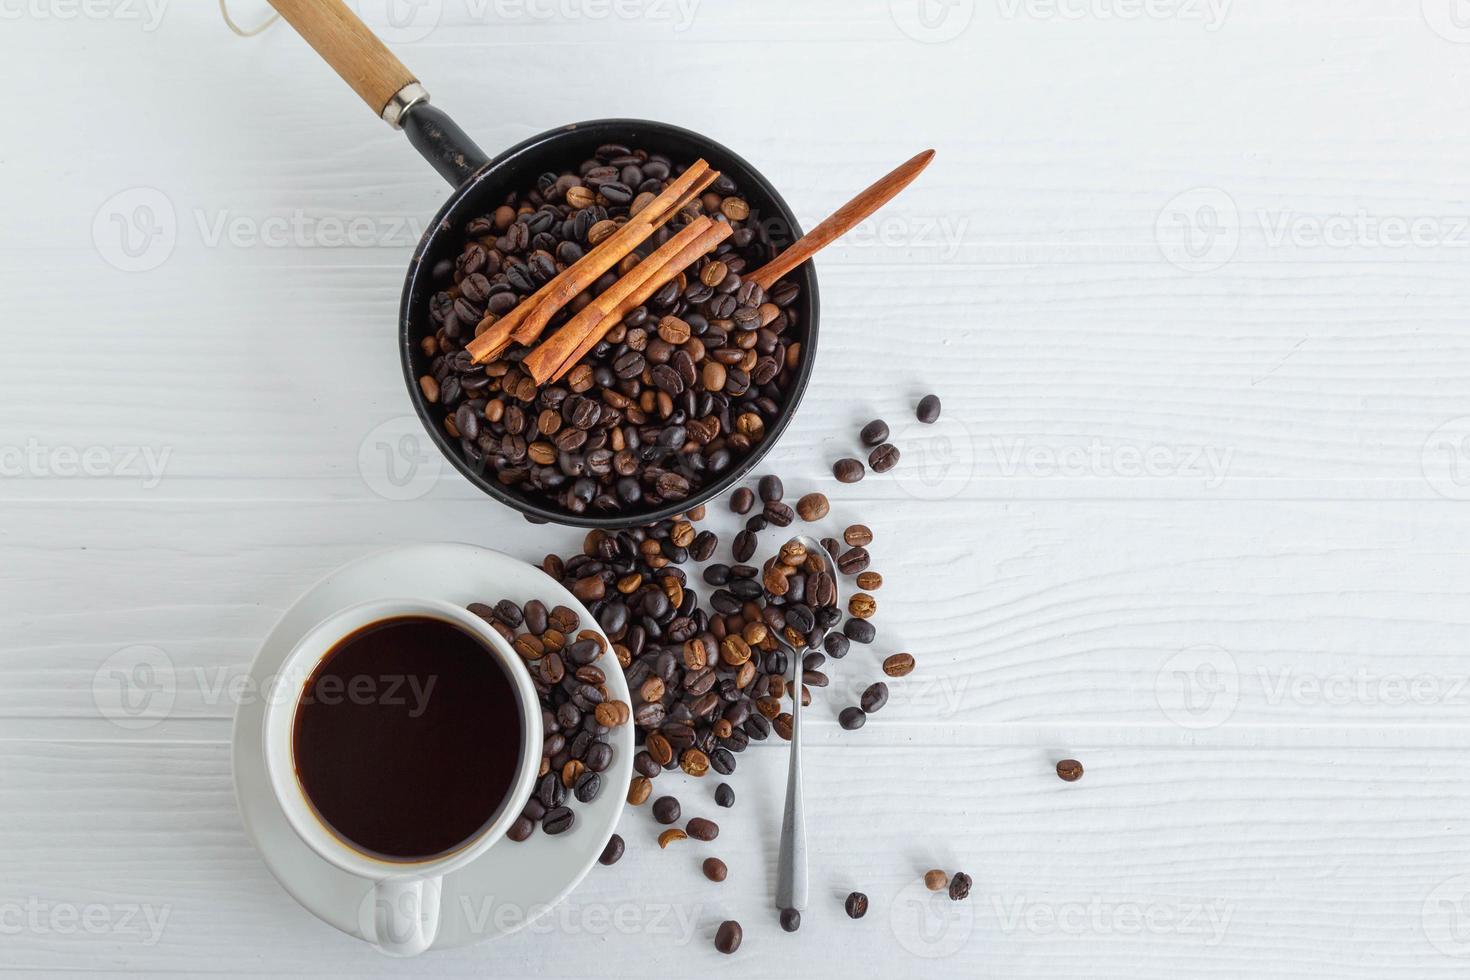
(790, 919)
(521, 830)
(613, 852)
(884, 458)
(771, 488)
(836, 645)
(742, 500)
(714, 869)
(813, 507)
(724, 795)
(639, 790)
(744, 546)
(848, 470)
(928, 410)
(899, 665)
(936, 880)
(875, 697)
(852, 718)
(779, 513)
(666, 810)
(558, 821)
(728, 936)
(853, 560)
(862, 605)
(1069, 770)
(870, 581)
(858, 535)
(704, 546)
(874, 433)
(670, 836)
(701, 829)
(959, 886)
(588, 785)
(859, 631)
(856, 905)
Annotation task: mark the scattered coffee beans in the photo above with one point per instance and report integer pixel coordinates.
(742, 500)
(852, 718)
(724, 795)
(666, 810)
(1069, 770)
(928, 410)
(884, 458)
(848, 470)
(936, 880)
(613, 852)
(859, 630)
(715, 870)
(874, 433)
(959, 886)
(728, 936)
(790, 920)
(813, 507)
(770, 488)
(856, 905)
(701, 829)
(875, 697)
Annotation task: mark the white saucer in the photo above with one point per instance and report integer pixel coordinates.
(512, 884)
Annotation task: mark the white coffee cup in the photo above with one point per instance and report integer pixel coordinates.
(401, 909)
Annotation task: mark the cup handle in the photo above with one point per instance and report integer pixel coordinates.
(406, 914)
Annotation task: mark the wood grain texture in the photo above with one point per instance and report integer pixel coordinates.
(1197, 513)
(349, 46)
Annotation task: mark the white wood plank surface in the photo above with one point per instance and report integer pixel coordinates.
(1190, 276)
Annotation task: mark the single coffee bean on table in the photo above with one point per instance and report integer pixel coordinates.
(928, 410)
(852, 718)
(848, 470)
(715, 869)
(790, 920)
(771, 488)
(813, 507)
(701, 829)
(666, 810)
(856, 905)
(670, 836)
(959, 886)
(875, 433)
(936, 880)
(742, 500)
(724, 795)
(728, 936)
(613, 852)
(1069, 770)
(899, 665)
(853, 561)
(860, 631)
(858, 535)
(869, 581)
(875, 697)
(862, 605)
(884, 458)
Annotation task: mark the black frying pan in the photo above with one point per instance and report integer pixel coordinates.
(481, 183)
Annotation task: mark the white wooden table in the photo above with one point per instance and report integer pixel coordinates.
(1192, 277)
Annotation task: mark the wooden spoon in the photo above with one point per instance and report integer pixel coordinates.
(841, 221)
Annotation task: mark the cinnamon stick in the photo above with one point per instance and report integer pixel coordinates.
(525, 323)
(692, 253)
(547, 357)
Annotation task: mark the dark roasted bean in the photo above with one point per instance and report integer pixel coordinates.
(928, 410)
(790, 920)
(613, 852)
(813, 507)
(558, 821)
(852, 718)
(874, 433)
(771, 488)
(742, 500)
(859, 631)
(714, 869)
(728, 936)
(848, 470)
(856, 905)
(724, 795)
(666, 810)
(1069, 770)
(701, 829)
(875, 697)
(884, 458)
(959, 886)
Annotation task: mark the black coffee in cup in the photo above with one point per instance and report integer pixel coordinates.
(407, 738)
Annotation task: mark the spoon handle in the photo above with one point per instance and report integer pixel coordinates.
(791, 884)
(841, 221)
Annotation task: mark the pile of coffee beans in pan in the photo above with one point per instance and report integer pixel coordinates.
(673, 397)
(883, 455)
(577, 713)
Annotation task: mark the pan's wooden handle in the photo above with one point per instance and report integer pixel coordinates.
(353, 51)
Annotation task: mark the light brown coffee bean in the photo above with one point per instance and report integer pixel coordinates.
(694, 762)
(639, 790)
(870, 581)
(858, 535)
(936, 880)
(899, 665)
(862, 605)
(669, 836)
(813, 507)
